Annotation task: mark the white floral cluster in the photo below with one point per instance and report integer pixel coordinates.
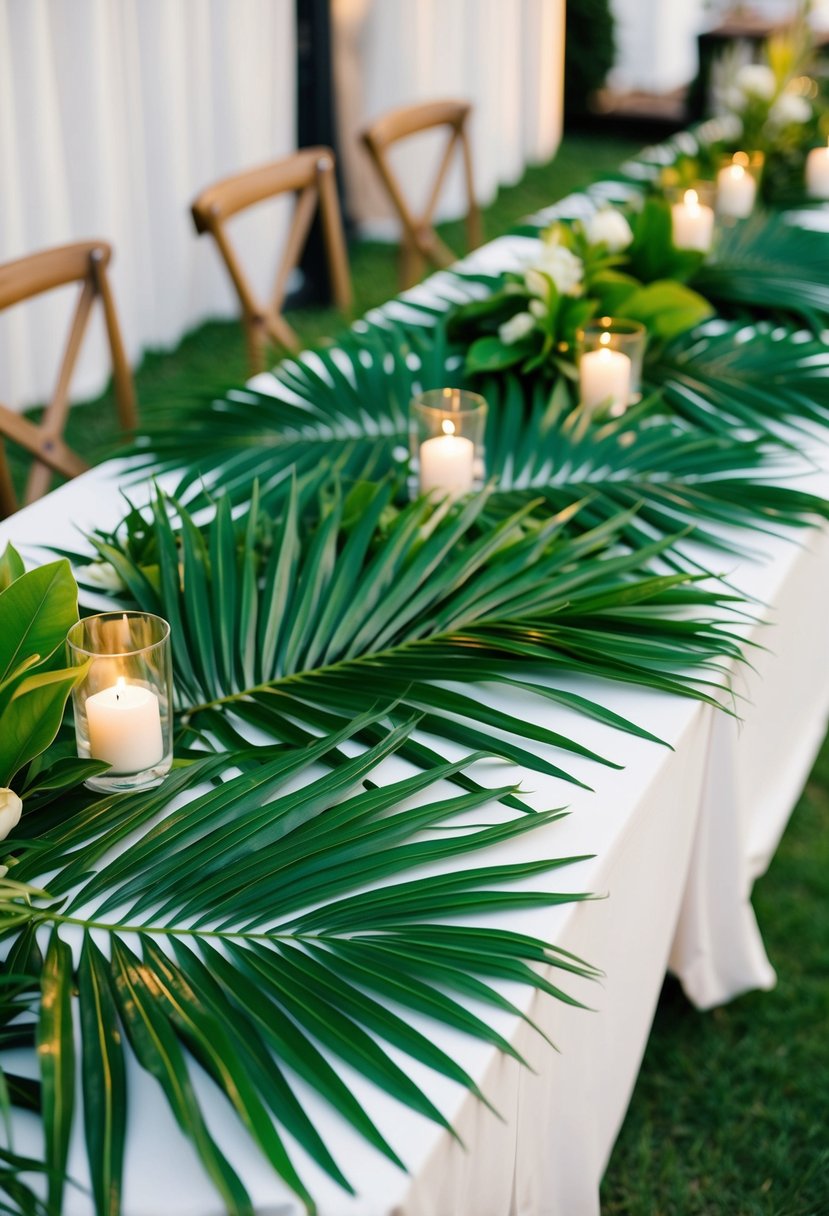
(756, 82)
(564, 269)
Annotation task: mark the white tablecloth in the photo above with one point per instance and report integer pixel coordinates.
(678, 837)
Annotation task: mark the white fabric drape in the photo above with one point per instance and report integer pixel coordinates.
(676, 838)
(505, 56)
(113, 115)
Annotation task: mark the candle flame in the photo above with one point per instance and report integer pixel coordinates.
(120, 683)
(605, 339)
(691, 200)
(740, 158)
(448, 426)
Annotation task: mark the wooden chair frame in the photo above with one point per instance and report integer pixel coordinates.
(420, 243)
(84, 262)
(310, 175)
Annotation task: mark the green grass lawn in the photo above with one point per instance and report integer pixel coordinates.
(731, 1112)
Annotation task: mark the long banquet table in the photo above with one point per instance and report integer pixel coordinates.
(677, 838)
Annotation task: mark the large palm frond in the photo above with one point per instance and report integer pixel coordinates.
(380, 606)
(268, 925)
(757, 378)
(770, 265)
(662, 476)
(341, 415)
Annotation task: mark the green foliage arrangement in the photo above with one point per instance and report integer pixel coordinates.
(304, 882)
(607, 265)
(37, 609)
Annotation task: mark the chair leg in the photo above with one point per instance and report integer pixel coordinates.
(8, 498)
(332, 230)
(121, 374)
(412, 264)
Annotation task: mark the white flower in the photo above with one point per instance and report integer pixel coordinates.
(756, 80)
(789, 107)
(10, 809)
(609, 227)
(538, 309)
(516, 328)
(537, 284)
(103, 575)
(563, 267)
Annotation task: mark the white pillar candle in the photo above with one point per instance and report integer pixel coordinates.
(604, 376)
(447, 462)
(124, 724)
(736, 191)
(817, 173)
(693, 223)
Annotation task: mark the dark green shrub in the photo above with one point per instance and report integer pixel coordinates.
(589, 54)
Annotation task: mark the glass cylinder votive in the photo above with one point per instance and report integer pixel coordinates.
(124, 704)
(692, 217)
(738, 181)
(446, 432)
(611, 350)
(817, 172)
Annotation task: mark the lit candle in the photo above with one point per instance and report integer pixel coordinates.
(447, 462)
(817, 172)
(736, 191)
(604, 376)
(693, 223)
(125, 727)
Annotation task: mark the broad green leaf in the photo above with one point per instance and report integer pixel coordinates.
(11, 566)
(36, 612)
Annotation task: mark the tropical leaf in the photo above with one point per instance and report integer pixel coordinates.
(771, 266)
(674, 477)
(272, 919)
(382, 613)
(753, 378)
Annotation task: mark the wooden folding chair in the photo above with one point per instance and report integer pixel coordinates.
(86, 263)
(420, 243)
(309, 174)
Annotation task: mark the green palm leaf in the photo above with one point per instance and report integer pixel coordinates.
(726, 376)
(375, 614)
(270, 920)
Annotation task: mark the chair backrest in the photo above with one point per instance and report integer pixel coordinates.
(310, 175)
(420, 242)
(85, 263)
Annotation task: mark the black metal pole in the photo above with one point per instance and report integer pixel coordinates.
(315, 125)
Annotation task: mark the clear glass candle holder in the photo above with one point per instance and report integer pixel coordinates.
(446, 431)
(606, 379)
(124, 704)
(692, 216)
(738, 184)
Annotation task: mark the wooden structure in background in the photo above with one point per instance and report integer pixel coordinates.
(420, 243)
(84, 262)
(310, 175)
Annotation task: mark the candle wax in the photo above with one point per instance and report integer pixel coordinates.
(604, 376)
(124, 724)
(817, 173)
(447, 464)
(736, 191)
(692, 223)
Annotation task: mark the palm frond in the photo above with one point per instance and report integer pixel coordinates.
(656, 476)
(382, 611)
(771, 266)
(757, 378)
(272, 921)
(342, 417)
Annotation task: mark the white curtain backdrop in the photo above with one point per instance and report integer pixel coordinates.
(113, 115)
(505, 56)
